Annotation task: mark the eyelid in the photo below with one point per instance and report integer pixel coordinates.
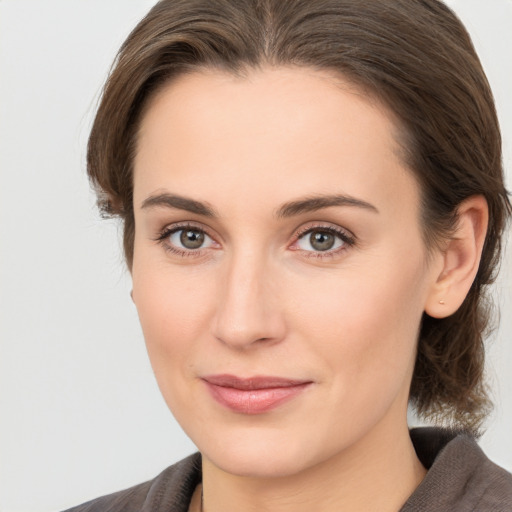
(327, 226)
(190, 224)
(344, 234)
(168, 230)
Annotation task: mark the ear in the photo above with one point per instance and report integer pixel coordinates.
(460, 259)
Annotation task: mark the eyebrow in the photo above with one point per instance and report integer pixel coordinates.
(290, 209)
(314, 203)
(180, 203)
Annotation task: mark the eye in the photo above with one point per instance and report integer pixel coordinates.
(319, 241)
(323, 240)
(185, 240)
(189, 238)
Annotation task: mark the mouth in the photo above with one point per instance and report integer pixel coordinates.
(254, 395)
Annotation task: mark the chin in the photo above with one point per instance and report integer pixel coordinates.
(258, 452)
(258, 461)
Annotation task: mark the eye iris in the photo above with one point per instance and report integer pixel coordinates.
(321, 240)
(191, 239)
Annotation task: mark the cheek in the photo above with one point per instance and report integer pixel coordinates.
(364, 321)
(174, 309)
(361, 328)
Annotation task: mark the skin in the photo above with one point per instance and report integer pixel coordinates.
(257, 298)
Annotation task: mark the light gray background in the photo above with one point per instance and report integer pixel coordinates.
(81, 414)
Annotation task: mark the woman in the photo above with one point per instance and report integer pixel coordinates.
(313, 204)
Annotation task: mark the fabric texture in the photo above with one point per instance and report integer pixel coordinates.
(460, 478)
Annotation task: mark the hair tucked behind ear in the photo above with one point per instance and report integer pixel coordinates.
(413, 55)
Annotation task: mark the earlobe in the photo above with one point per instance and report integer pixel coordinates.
(460, 259)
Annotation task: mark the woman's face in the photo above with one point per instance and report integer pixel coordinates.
(279, 271)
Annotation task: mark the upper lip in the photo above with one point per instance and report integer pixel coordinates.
(250, 383)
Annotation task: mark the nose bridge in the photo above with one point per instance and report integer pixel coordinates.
(246, 311)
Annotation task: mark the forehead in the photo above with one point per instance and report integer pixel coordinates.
(308, 129)
(264, 100)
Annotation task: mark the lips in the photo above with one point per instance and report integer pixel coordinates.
(254, 395)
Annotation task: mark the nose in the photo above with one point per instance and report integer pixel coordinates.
(248, 312)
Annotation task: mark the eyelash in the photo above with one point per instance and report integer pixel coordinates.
(168, 231)
(347, 239)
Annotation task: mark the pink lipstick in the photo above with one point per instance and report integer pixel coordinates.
(254, 395)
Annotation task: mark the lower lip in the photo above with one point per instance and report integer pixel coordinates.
(254, 401)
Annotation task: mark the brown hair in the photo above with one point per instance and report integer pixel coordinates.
(413, 55)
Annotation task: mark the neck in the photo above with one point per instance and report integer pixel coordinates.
(378, 473)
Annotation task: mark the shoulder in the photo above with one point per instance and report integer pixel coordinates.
(170, 491)
(460, 477)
